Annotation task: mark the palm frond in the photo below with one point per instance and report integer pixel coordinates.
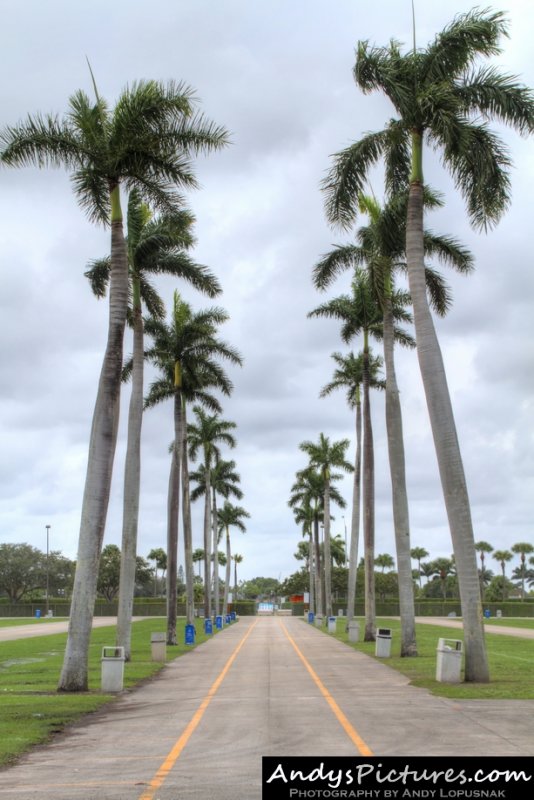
(98, 273)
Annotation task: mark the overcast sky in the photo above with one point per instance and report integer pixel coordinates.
(277, 75)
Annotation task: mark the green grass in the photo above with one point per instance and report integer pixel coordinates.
(31, 709)
(510, 661)
(8, 622)
(511, 622)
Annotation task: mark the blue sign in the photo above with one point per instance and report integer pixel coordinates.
(311, 617)
(218, 622)
(190, 634)
(208, 626)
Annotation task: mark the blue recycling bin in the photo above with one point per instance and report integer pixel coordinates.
(311, 617)
(228, 619)
(218, 622)
(208, 626)
(487, 613)
(234, 616)
(190, 634)
(38, 614)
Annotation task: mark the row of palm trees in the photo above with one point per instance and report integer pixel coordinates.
(444, 98)
(144, 146)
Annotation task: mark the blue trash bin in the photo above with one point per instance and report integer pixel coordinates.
(190, 634)
(218, 622)
(228, 619)
(234, 616)
(311, 617)
(38, 614)
(487, 613)
(208, 626)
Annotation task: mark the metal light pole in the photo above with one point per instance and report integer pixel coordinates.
(47, 551)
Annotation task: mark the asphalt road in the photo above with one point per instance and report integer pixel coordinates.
(265, 686)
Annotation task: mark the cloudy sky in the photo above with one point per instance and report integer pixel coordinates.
(277, 75)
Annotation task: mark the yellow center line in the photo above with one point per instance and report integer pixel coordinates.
(176, 751)
(351, 732)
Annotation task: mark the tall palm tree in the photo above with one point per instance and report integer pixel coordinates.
(482, 548)
(443, 567)
(381, 248)
(503, 557)
(349, 375)
(187, 353)
(384, 560)
(418, 553)
(304, 515)
(198, 554)
(224, 481)
(230, 516)
(308, 494)
(206, 434)
(442, 97)
(159, 556)
(522, 549)
(326, 457)
(238, 559)
(360, 313)
(145, 142)
(155, 246)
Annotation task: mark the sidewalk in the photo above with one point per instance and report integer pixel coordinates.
(268, 686)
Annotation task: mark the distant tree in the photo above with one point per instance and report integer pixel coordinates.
(108, 582)
(384, 560)
(198, 557)
(503, 557)
(498, 589)
(418, 553)
(22, 570)
(482, 547)
(159, 556)
(259, 588)
(523, 549)
(387, 585)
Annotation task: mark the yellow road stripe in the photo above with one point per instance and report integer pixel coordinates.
(176, 751)
(361, 746)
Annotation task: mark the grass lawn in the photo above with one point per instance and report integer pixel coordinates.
(511, 622)
(31, 709)
(8, 622)
(510, 661)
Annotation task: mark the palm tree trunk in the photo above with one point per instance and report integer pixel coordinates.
(99, 468)
(207, 541)
(216, 599)
(188, 532)
(228, 574)
(132, 480)
(312, 572)
(327, 555)
(355, 522)
(368, 504)
(318, 568)
(401, 520)
(446, 444)
(172, 519)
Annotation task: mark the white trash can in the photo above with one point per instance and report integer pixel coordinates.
(331, 624)
(158, 646)
(354, 631)
(112, 669)
(340, 612)
(383, 643)
(318, 621)
(449, 660)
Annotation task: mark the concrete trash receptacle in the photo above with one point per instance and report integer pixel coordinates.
(354, 631)
(158, 646)
(331, 624)
(318, 621)
(449, 660)
(383, 643)
(112, 669)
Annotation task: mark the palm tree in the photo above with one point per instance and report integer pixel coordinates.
(443, 98)
(159, 556)
(381, 247)
(503, 556)
(326, 457)
(349, 375)
(206, 434)
(155, 246)
(144, 143)
(198, 554)
(238, 559)
(523, 549)
(385, 560)
(483, 547)
(223, 481)
(304, 515)
(337, 550)
(186, 352)
(361, 313)
(443, 567)
(230, 516)
(419, 553)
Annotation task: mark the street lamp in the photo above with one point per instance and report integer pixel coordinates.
(47, 551)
